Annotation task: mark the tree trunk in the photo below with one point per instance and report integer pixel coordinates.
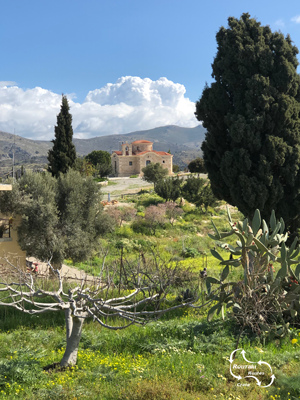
(74, 330)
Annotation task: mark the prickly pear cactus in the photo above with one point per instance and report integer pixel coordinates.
(264, 301)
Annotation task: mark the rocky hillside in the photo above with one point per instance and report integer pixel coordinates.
(184, 143)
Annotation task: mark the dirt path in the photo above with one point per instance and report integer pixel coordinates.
(67, 272)
(131, 185)
(126, 185)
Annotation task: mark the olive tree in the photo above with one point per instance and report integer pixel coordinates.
(62, 218)
(154, 172)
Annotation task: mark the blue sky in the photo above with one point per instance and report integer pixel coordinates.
(49, 47)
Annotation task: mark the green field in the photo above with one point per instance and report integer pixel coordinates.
(179, 356)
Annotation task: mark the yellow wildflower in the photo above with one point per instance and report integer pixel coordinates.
(259, 350)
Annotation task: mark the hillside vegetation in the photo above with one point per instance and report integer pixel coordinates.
(180, 356)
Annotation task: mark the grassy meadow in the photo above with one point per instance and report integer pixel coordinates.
(180, 356)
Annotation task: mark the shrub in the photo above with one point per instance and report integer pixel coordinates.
(172, 211)
(192, 188)
(121, 215)
(196, 191)
(190, 228)
(125, 231)
(134, 176)
(190, 252)
(147, 200)
(176, 168)
(155, 216)
(188, 208)
(169, 189)
(141, 226)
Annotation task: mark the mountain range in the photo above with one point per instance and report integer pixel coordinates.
(184, 144)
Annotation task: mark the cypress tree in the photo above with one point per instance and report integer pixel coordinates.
(62, 156)
(251, 112)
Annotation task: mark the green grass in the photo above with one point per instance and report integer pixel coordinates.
(178, 357)
(100, 179)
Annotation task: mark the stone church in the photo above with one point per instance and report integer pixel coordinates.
(132, 157)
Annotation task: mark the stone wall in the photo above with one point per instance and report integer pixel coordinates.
(123, 165)
(115, 163)
(122, 168)
(166, 161)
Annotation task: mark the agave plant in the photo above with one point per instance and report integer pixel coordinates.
(262, 301)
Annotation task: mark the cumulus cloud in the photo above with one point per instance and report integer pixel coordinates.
(296, 19)
(128, 105)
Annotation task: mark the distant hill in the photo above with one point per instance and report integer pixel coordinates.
(24, 148)
(182, 158)
(177, 139)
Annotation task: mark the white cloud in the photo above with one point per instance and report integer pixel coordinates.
(128, 105)
(280, 22)
(7, 83)
(296, 19)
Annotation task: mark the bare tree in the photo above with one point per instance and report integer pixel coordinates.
(121, 215)
(147, 285)
(155, 216)
(172, 211)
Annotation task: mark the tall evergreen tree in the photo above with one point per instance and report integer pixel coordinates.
(62, 156)
(251, 113)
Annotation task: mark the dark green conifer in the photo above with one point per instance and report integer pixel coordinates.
(251, 113)
(62, 156)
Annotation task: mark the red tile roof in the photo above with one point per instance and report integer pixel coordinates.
(117, 152)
